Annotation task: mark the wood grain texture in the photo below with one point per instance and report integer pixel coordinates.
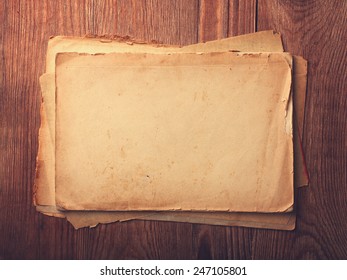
(223, 18)
(213, 20)
(314, 29)
(162, 21)
(317, 30)
(242, 17)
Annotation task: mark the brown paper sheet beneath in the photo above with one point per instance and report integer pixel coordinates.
(263, 41)
(283, 221)
(301, 177)
(45, 197)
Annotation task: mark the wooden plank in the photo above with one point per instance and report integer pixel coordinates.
(17, 151)
(104, 17)
(163, 21)
(242, 17)
(26, 28)
(222, 18)
(213, 20)
(134, 240)
(316, 30)
(239, 242)
(209, 242)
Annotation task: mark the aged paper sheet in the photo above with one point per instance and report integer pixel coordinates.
(174, 132)
(45, 187)
(271, 42)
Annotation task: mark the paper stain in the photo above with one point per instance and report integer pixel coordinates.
(122, 153)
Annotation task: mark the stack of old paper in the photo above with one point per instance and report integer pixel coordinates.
(202, 133)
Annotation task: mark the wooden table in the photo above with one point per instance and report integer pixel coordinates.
(313, 29)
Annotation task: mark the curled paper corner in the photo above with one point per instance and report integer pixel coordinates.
(288, 118)
(38, 154)
(94, 226)
(288, 100)
(35, 186)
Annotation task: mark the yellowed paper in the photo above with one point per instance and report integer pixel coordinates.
(284, 221)
(174, 132)
(271, 43)
(260, 41)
